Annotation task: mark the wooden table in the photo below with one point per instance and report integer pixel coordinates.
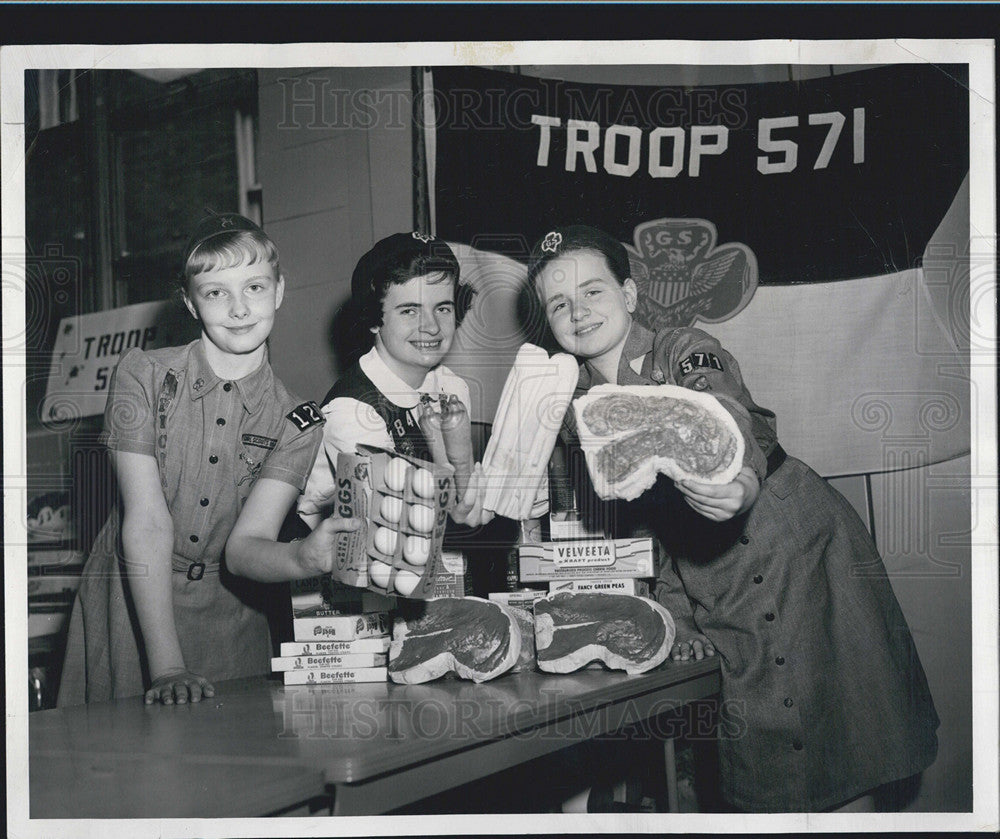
(376, 746)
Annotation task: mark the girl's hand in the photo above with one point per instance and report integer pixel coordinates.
(315, 553)
(697, 647)
(180, 687)
(469, 510)
(721, 502)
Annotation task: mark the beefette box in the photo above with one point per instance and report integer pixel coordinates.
(591, 559)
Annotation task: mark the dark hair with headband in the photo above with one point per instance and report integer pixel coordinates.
(579, 237)
(397, 259)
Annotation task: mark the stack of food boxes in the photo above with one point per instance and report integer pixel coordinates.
(342, 621)
(562, 554)
(341, 634)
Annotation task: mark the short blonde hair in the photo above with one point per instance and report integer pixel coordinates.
(229, 250)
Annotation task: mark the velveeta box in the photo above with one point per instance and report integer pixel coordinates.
(591, 559)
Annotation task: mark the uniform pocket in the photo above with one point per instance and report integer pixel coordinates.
(785, 479)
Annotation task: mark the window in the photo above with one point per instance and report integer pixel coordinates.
(118, 168)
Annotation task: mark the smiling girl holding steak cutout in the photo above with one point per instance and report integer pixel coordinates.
(824, 699)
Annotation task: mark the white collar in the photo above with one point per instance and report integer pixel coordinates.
(394, 388)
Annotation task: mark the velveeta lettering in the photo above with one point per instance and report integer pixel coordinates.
(583, 551)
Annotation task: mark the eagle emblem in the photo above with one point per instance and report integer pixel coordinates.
(683, 277)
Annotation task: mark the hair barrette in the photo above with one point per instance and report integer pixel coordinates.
(423, 237)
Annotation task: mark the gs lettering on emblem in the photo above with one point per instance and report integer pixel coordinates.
(700, 359)
(306, 415)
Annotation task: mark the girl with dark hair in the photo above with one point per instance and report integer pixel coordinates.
(407, 289)
(824, 700)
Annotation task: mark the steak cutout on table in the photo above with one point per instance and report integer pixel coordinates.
(622, 631)
(473, 638)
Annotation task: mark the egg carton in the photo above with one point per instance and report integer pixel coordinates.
(403, 503)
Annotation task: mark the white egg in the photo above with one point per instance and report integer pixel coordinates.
(379, 572)
(395, 474)
(421, 518)
(391, 509)
(405, 582)
(385, 540)
(423, 483)
(416, 550)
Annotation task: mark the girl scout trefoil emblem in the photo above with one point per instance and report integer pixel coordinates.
(552, 241)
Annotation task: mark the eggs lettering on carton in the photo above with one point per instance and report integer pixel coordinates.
(404, 502)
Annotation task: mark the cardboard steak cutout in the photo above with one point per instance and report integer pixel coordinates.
(631, 433)
(624, 632)
(526, 623)
(473, 638)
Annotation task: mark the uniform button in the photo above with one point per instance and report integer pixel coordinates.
(213, 459)
(788, 702)
(779, 660)
(204, 502)
(745, 540)
(227, 387)
(758, 579)
(769, 616)
(797, 745)
(195, 539)
(220, 421)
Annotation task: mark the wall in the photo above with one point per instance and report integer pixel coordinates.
(335, 166)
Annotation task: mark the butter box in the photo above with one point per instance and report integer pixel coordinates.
(592, 559)
(320, 596)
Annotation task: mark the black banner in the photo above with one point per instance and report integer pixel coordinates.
(825, 179)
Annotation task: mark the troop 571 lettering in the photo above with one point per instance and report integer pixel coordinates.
(669, 152)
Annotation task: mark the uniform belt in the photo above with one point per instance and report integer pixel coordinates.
(195, 569)
(774, 460)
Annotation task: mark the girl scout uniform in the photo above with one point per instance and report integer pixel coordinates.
(212, 439)
(370, 404)
(823, 694)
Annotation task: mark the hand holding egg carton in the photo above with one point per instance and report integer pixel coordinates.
(404, 502)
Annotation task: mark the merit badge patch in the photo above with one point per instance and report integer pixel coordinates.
(306, 415)
(700, 359)
(683, 276)
(260, 442)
